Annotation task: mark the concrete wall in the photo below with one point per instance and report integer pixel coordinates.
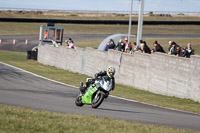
(158, 73)
(61, 57)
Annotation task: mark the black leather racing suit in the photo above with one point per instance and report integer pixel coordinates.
(104, 73)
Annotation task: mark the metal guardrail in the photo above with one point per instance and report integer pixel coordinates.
(123, 22)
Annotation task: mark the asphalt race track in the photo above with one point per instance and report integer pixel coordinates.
(19, 88)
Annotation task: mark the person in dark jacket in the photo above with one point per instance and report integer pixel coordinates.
(109, 73)
(146, 48)
(173, 48)
(120, 45)
(189, 50)
(183, 52)
(158, 47)
(110, 45)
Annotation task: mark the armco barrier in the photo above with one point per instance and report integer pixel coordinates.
(158, 73)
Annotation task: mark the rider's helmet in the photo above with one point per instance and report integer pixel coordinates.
(110, 71)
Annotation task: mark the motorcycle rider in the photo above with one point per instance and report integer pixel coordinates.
(109, 73)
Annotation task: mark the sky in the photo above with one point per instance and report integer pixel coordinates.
(105, 5)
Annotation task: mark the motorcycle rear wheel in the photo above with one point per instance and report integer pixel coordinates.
(78, 101)
(97, 100)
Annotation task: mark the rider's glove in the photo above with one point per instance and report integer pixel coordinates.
(96, 76)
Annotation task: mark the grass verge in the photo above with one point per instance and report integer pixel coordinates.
(10, 28)
(18, 120)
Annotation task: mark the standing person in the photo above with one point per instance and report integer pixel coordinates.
(70, 43)
(144, 47)
(178, 51)
(173, 48)
(128, 46)
(170, 45)
(183, 52)
(158, 47)
(189, 50)
(46, 35)
(120, 45)
(135, 47)
(110, 45)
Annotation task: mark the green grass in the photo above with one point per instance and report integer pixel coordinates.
(10, 28)
(18, 59)
(20, 120)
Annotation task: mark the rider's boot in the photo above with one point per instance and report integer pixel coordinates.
(82, 88)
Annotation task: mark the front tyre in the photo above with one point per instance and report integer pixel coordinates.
(78, 101)
(97, 100)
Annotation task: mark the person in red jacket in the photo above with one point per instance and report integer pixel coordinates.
(128, 46)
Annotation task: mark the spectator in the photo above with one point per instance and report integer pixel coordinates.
(120, 45)
(158, 47)
(136, 48)
(173, 48)
(183, 52)
(178, 51)
(144, 47)
(70, 43)
(110, 45)
(189, 50)
(170, 45)
(128, 46)
(46, 35)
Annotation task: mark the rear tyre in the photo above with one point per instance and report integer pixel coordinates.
(97, 100)
(78, 101)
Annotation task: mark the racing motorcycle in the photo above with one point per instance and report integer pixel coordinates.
(95, 93)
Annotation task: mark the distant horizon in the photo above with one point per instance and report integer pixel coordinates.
(103, 11)
(176, 6)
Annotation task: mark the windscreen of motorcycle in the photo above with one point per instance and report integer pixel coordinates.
(106, 83)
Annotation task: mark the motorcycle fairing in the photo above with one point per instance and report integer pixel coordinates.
(87, 98)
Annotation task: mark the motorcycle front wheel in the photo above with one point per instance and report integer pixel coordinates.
(97, 100)
(78, 101)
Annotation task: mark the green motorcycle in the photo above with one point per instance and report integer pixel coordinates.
(95, 93)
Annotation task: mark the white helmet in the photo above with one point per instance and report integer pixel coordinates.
(110, 71)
